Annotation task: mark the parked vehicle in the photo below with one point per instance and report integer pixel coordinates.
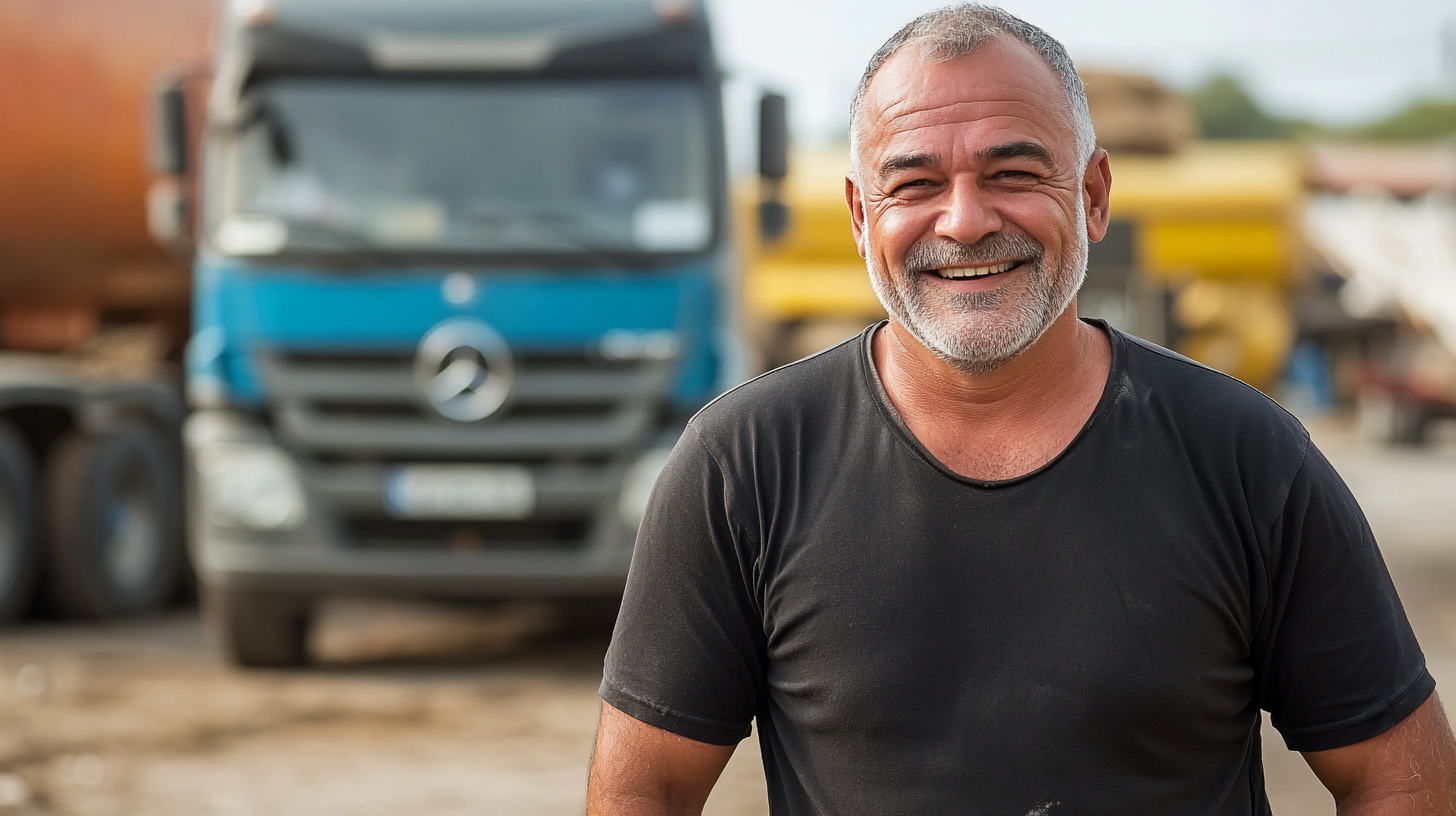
(462, 274)
(92, 313)
(1379, 226)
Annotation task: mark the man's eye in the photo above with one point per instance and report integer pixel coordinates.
(912, 183)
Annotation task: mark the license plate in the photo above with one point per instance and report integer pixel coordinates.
(459, 491)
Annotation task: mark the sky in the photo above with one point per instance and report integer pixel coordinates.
(1334, 61)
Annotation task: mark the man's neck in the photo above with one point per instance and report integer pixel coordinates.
(1002, 423)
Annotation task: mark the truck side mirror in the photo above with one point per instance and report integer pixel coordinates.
(773, 166)
(169, 211)
(169, 128)
(773, 136)
(168, 216)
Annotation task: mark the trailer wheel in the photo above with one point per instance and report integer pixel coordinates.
(115, 537)
(19, 545)
(259, 631)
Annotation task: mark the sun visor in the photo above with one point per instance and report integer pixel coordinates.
(633, 42)
(405, 52)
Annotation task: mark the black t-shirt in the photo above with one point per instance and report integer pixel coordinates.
(1096, 636)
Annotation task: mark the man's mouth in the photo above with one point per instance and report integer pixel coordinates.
(962, 272)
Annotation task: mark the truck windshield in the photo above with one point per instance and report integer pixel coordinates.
(509, 168)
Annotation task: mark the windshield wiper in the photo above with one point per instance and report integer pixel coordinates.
(280, 137)
(539, 216)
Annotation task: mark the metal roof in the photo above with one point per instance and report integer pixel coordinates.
(1398, 257)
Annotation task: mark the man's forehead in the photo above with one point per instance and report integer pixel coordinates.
(1003, 83)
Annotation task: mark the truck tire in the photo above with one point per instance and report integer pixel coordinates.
(19, 544)
(113, 506)
(259, 631)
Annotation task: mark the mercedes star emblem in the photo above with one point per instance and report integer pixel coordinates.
(463, 369)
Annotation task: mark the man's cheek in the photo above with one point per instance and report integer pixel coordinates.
(894, 229)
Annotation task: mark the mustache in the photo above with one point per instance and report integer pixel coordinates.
(939, 253)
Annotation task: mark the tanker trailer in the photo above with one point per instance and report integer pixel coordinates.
(91, 311)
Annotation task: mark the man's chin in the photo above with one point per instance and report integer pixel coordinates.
(976, 344)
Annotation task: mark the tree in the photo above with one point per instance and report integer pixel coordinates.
(1226, 111)
(1422, 119)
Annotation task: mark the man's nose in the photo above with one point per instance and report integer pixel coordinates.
(968, 215)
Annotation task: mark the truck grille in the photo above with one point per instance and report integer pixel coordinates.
(563, 406)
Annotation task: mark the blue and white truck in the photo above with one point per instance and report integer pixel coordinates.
(462, 272)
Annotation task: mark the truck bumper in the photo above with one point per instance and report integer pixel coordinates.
(576, 544)
(334, 571)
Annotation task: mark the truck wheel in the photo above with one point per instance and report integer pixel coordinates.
(19, 545)
(115, 538)
(259, 631)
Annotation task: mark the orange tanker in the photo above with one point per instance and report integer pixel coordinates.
(74, 249)
(90, 308)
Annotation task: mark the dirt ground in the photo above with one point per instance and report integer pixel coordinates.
(439, 710)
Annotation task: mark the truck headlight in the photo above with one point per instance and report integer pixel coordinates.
(252, 485)
(638, 482)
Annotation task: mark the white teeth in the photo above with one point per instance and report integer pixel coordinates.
(975, 271)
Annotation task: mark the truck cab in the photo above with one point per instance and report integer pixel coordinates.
(462, 274)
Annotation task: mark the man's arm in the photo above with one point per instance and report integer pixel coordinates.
(641, 770)
(1410, 769)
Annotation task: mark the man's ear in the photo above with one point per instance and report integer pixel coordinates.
(1096, 194)
(856, 213)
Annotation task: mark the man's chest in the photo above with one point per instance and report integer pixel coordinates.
(1002, 621)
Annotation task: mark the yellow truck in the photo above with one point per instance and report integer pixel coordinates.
(1216, 226)
(1202, 256)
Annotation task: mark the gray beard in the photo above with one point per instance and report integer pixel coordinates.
(979, 332)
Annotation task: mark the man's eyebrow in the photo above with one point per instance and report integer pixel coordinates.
(1017, 150)
(907, 161)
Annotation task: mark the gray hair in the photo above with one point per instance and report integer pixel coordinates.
(956, 31)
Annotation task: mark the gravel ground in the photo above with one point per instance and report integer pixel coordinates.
(447, 710)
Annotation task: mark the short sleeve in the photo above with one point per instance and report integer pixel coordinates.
(1338, 662)
(687, 654)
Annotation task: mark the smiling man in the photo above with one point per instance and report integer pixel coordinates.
(991, 558)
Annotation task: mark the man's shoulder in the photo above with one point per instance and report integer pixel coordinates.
(786, 396)
(1203, 402)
